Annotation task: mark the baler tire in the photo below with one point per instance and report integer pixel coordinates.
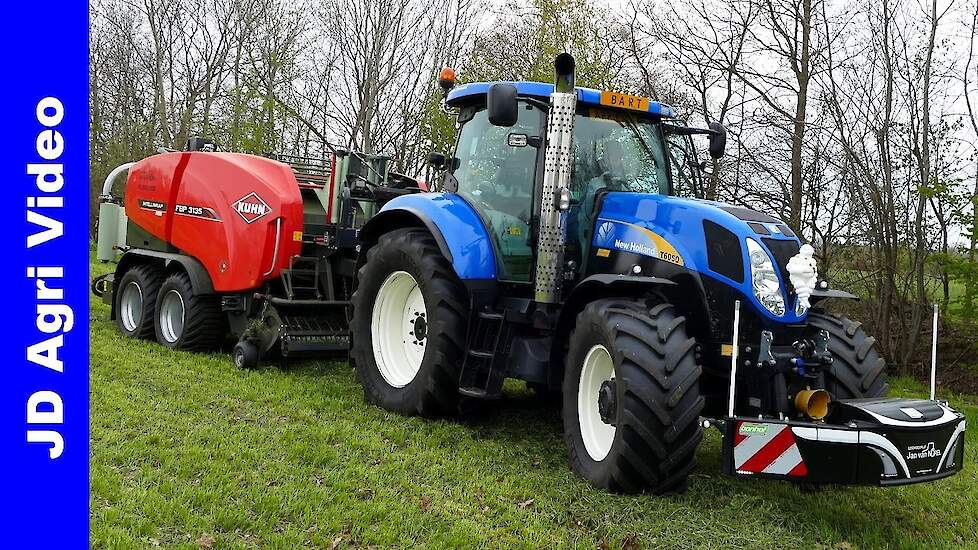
(147, 279)
(658, 401)
(203, 324)
(433, 389)
(245, 355)
(857, 369)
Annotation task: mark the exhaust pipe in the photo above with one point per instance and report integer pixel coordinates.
(555, 188)
(813, 403)
(564, 67)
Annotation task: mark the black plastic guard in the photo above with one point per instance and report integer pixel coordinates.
(865, 443)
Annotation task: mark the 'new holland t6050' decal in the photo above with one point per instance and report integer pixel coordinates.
(627, 237)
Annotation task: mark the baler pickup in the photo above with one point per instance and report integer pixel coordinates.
(881, 441)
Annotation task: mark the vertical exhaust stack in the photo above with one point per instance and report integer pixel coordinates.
(564, 66)
(555, 192)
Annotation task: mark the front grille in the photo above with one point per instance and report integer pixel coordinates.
(783, 251)
(723, 251)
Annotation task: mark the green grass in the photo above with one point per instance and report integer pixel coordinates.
(187, 451)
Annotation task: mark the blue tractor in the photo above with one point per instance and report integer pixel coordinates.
(565, 247)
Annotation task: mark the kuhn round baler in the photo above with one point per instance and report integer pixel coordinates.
(239, 216)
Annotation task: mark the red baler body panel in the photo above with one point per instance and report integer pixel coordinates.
(222, 209)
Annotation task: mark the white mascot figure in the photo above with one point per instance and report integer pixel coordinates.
(803, 274)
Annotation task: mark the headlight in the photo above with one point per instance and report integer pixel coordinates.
(764, 280)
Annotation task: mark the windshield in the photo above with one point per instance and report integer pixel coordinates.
(618, 152)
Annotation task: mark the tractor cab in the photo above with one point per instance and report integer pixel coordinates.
(620, 143)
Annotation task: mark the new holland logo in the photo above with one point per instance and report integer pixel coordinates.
(251, 207)
(606, 232)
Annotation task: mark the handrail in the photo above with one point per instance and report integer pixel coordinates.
(110, 179)
(278, 234)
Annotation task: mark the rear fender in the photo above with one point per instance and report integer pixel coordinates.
(200, 281)
(454, 224)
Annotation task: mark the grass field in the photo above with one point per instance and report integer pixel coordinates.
(188, 452)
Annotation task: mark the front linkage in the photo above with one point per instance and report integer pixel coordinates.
(858, 441)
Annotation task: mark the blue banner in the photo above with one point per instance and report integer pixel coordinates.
(44, 163)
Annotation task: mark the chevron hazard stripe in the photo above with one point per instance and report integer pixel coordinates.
(767, 448)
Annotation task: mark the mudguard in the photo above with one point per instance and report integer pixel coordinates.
(455, 225)
(200, 281)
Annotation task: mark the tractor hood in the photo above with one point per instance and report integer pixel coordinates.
(705, 237)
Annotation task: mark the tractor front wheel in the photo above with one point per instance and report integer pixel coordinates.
(857, 368)
(631, 400)
(410, 314)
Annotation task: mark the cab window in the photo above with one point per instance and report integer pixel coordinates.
(496, 168)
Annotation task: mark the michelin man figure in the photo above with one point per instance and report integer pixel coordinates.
(803, 274)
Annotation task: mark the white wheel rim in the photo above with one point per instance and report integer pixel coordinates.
(131, 306)
(171, 316)
(598, 368)
(398, 329)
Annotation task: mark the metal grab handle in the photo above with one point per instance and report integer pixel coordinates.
(110, 179)
(278, 235)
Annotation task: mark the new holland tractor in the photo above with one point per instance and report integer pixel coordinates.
(564, 246)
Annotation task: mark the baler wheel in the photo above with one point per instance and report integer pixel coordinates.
(136, 300)
(857, 369)
(631, 397)
(410, 313)
(245, 355)
(188, 321)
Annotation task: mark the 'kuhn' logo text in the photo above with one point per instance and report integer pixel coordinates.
(251, 207)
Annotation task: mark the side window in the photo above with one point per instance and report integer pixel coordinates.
(495, 173)
(685, 179)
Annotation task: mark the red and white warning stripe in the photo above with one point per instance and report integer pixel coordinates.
(768, 449)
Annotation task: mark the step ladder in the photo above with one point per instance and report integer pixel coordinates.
(301, 279)
(484, 367)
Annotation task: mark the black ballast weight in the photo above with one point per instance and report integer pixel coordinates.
(877, 441)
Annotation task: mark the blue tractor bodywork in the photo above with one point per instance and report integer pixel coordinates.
(672, 230)
(455, 225)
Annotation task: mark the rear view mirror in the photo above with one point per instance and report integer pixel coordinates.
(718, 139)
(501, 102)
(436, 161)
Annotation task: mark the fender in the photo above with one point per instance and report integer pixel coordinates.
(456, 227)
(601, 285)
(200, 281)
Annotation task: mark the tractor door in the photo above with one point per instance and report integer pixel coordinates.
(496, 170)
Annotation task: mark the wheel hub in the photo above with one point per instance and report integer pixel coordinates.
(399, 329)
(420, 328)
(596, 402)
(608, 402)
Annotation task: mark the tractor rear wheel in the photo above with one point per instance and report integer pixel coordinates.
(135, 300)
(631, 398)
(857, 369)
(188, 321)
(410, 313)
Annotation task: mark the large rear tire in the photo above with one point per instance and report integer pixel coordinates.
(188, 321)
(410, 313)
(857, 369)
(135, 301)
(634, 368)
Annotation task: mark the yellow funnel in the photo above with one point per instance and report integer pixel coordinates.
(813, 403)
